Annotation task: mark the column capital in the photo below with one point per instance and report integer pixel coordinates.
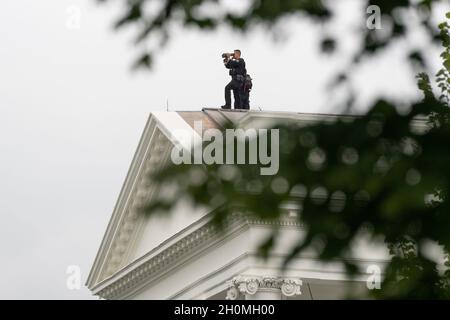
(250, 285)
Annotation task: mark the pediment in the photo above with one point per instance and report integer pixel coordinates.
(137, 247)
(127, 228)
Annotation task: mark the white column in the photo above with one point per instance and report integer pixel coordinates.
(263, 288)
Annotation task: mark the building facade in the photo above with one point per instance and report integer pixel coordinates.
(184, 256)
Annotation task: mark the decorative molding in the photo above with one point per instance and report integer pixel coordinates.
(291, 287)
(140, 193)
(250, 285)
(121, 233)
(113, 275)
(155, 265)
(121, 229)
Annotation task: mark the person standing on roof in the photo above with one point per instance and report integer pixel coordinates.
(238, 73)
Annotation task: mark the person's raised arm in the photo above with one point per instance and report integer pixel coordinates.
(231, 64)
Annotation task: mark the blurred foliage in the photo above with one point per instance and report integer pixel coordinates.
(384, 174)
(374, 175)
(152, 20)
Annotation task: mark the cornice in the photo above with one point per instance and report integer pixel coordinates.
(135, 190)
(111, 276)
(154, 265)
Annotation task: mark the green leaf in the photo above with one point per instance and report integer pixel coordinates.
(440, 72)
(447, 64)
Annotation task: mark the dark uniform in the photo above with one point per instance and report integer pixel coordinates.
(237, 73)
(244, 92)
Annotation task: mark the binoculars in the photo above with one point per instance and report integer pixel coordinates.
(227, 56)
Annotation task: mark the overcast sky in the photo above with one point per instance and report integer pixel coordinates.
(72, 112)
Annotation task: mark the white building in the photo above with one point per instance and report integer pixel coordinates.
(184, 257)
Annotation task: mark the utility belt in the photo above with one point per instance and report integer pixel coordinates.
(240, 77)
